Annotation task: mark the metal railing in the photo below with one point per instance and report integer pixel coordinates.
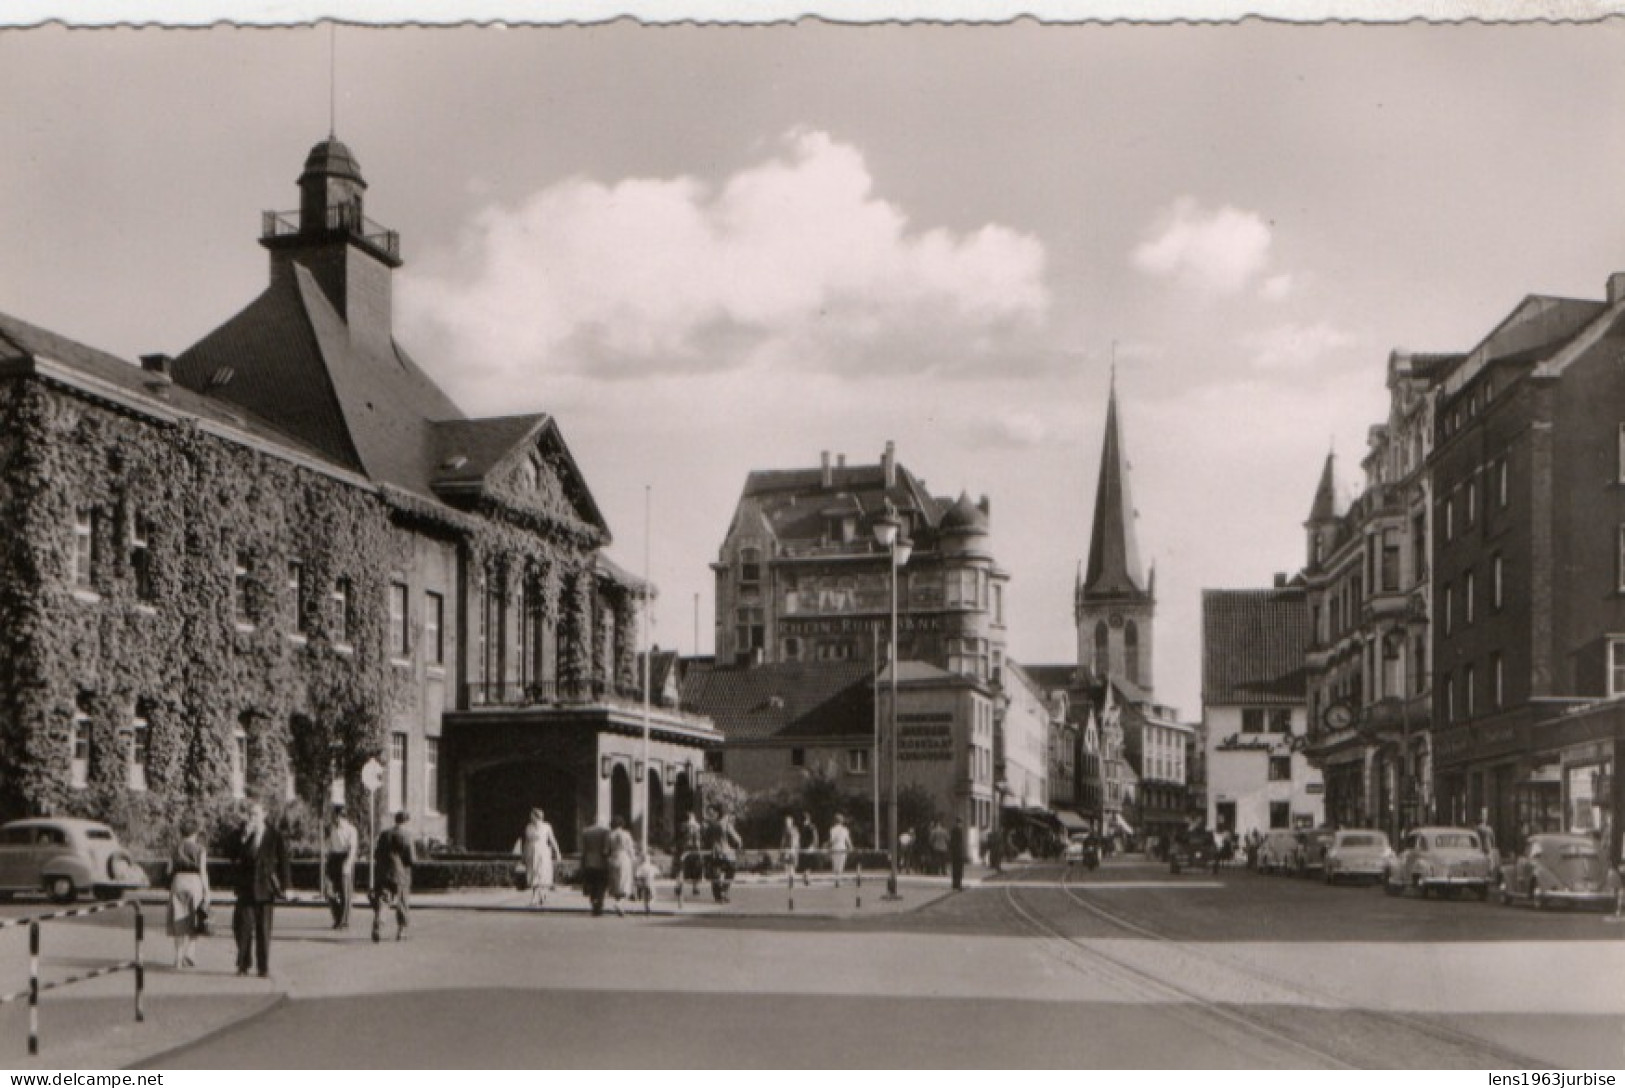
(36, 987)
(340, 217)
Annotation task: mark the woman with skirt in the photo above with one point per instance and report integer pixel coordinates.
(623, 851)
(188, 892)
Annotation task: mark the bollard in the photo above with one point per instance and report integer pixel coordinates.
(858, 872)
(33, 988)
(792, 887)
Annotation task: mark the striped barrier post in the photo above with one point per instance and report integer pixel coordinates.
(858, 871)
(33, 988)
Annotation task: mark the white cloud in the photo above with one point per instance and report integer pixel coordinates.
(792, 263)
(1011, 429)
(1295, 347)
(1277, 287)
(1217, 252)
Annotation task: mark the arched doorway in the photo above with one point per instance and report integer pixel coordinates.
(683, 796)
(659, 832)
(620, 794)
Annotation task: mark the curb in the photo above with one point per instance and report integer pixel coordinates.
(273, 1002)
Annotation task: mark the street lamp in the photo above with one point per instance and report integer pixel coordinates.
(888, 535)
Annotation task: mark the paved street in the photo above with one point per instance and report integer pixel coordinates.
(1124, 967)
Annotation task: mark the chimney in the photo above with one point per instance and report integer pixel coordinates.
(829, 477)
(1616, 288)
(888, 464)
(158, 364)
(1280, 580)
(986, 507)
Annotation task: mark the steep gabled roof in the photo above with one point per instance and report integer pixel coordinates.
(788, 701)
(1325, 504)
(796, 505)
(1253, 646)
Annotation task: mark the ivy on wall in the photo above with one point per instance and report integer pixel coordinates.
(223, 520)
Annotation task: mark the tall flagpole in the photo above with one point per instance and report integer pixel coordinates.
(648, 655)
(874, 764)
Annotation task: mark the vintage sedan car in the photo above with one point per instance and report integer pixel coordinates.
(1558, 868)
(63, 857)
(1438, 859)
(1278, 852)
(1082, 850)
(1356, 854)
(1310, 856)
(1193, 850)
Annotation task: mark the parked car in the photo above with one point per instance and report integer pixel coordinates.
(1193, 850)
(1082, 850)
(1310, 856)
(1356, 854)
(1278, 852)
(1438, 859)
(64, 857)
(1557, 868)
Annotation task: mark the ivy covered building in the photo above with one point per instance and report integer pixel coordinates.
(250, 569)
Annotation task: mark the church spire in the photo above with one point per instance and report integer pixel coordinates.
(1325, 506)
(1114, 555)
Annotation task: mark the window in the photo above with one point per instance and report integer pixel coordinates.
(792, 649)
(1131, 651)
(399, 639)
(1497, 583)
(1501, 483)
(295, 592)
(1449, 608)
(1447, 682)
(857, 761)
(998, 603)
(141, 558)
(1468, 587)
(1252, 719)
(798, 757)
(434, 618)
(968, 657)
(397, 772)
(750, 631)
(1621, 473)
(493, 631)
(341, 617)
(1498, 681)
(1419, 547)
(1102, 650)
(1472, 501)
(1469, 683)
(239, 758)
(1280, 768)
(431, 774)
(1449, 520)
(79, 743)
(1390, 561)
(1280, 720)
(84, 546)
(834, 651)
(750, 566)
(1620, 577)
(1280, 814)
(239, 590)
(1616, 666)
(140, 746)
(716, 761)
(960, 587)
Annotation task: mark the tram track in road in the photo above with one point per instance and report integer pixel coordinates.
(1364, 1037)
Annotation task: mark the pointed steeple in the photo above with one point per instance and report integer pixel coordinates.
(1114, 554)
(1325, 507)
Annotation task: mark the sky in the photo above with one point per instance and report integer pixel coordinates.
(708, 250)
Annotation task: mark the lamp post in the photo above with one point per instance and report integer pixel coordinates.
(888, 535)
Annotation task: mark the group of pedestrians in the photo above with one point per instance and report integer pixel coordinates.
(798, 847)
(262, 877)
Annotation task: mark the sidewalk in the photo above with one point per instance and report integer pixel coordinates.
(92, 1025)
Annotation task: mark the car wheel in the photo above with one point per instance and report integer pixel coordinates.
(60, 889)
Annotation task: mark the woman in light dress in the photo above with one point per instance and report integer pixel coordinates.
(623, 856)
(840, 844)
(188, 892)
(538, 850)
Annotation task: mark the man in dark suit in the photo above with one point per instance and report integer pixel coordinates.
(262, 875)
(595, 864)
(957, 853)
(395, 856)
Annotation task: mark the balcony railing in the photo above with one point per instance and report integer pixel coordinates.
(551, 693)
(339, 218)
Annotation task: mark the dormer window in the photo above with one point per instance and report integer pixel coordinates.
(750, 566)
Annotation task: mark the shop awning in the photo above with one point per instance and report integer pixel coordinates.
(1121, 824)
(1071, 820)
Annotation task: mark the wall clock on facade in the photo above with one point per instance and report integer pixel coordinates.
(1337, 716)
